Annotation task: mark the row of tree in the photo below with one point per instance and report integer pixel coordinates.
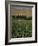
(23, 17)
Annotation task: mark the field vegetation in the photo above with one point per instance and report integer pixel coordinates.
(21, 26)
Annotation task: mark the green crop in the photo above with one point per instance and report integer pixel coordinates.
(21, 28)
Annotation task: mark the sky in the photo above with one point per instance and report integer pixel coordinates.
(21, 10)
(22, 7)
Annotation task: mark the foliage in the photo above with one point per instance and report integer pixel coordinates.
(21, 28)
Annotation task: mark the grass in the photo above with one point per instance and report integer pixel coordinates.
(21, 28)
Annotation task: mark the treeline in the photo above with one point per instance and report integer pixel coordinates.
(22, 17)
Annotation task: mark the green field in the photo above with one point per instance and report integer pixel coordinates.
(21, 28)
